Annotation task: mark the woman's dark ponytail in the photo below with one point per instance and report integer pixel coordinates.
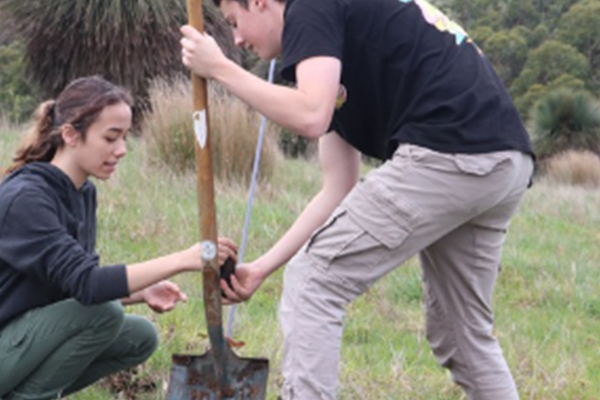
(42, 140)
(79, 104)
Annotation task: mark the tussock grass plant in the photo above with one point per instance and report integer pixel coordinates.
(168, 128)
(547, 306)
(565, 120)
(233, 129)
(581, 168)
(128, 42)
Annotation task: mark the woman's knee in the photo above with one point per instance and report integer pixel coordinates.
(141, 332)
(103, 320)
(107, 317)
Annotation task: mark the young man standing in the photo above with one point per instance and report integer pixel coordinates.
(398, 81)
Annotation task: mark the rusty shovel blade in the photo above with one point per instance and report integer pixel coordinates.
(218, 374)
(200, 377)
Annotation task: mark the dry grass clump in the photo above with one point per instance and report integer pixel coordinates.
(576, 168)
(233, 129)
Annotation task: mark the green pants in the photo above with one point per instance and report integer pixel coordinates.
(62, 348)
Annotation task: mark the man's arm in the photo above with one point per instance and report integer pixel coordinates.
(340, 164)
(340, 167)
(306, 109)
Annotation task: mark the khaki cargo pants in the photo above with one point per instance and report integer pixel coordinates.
(452, 210)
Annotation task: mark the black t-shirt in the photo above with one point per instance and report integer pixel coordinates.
(410, 74)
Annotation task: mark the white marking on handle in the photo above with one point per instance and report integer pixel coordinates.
(208, 250)
(200, 127)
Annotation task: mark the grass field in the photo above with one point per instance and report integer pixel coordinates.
(547, 300)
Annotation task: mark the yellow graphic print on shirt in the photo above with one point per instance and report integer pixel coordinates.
(436, 18)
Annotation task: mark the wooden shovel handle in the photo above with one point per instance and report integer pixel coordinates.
(205, 189)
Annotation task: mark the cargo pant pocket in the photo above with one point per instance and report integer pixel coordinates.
(361, 232)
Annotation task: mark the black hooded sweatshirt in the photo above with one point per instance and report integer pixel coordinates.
(47, 243)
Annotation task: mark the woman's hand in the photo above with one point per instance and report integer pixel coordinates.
(192, 257)
(244, 282)
(227, 249)
(163, 296)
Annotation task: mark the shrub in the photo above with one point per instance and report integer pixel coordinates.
(577, 168)
(7, 29)
(127, 42)
(538, 91)
(548, 62)
(234, 129)
(296, 146)
(507, 51)
(565, 120)
(9, 138)
(17, 99)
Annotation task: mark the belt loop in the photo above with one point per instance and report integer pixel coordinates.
(404, 149)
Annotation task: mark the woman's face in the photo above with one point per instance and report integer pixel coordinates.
(104, 144)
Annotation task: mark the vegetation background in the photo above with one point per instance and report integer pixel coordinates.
(547, 303)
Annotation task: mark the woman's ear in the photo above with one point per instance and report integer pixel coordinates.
(70, 135)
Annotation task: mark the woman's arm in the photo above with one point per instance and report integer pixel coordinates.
(144, 274)
(40, 247)
(134, 298)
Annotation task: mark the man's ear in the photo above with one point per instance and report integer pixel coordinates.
(70, 135)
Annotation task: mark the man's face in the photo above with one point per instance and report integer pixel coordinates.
(257, 28)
